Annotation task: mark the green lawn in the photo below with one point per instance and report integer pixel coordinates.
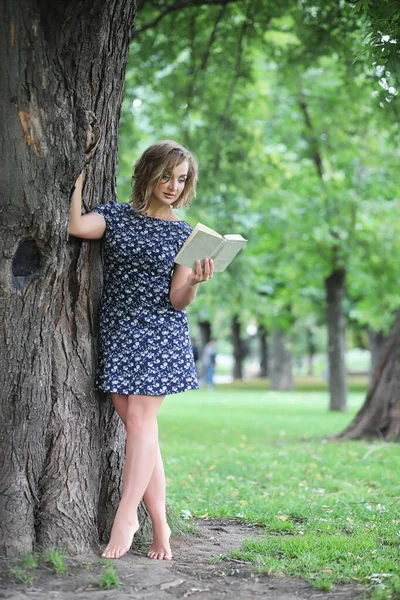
(330, 508)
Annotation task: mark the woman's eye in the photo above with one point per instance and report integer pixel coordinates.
(165, 178)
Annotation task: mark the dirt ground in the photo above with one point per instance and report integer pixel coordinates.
(191, 574)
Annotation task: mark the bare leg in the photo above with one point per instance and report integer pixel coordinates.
(141, 455)
(154, 497)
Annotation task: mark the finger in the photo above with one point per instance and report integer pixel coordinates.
(211, 267)
(198, 268)
(206, 268)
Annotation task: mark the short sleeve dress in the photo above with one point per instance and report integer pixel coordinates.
(145, 346)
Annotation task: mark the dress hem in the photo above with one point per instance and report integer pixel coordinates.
(144, 393)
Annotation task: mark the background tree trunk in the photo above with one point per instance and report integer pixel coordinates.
(335, 290)
(263, 337)
(376, 344)
(205, 334)
(281, 368)
(380, 414)
(311, 350)
(237, 349)
(61, 88)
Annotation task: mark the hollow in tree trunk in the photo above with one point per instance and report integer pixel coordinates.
(281, 364)
(335, 290)
(61, 88)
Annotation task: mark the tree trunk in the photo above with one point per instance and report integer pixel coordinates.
(380, 414)
(205, 334)
(237, 349)
(281, 368)
(263, 336)
(335, 289)
(377, 341)
(311, 350)
(61, 88)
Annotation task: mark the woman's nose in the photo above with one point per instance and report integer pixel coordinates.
(173, 184)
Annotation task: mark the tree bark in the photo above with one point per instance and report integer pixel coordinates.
(263, 336)
(281, 368)
(335, 290)
(237, 349)
(376, 344)
(61, 88)
(205, 334)
(380, 414)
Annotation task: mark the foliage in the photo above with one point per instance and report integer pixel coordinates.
(295, 150)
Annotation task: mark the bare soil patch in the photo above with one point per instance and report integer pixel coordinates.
(191, 574)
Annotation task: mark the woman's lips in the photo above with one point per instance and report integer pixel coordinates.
(169, 195)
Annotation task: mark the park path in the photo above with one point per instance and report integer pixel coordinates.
(190, 575)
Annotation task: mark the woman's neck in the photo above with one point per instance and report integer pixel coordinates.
(159, 212)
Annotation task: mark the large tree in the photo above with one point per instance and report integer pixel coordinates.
(380, 414)
(61, 87)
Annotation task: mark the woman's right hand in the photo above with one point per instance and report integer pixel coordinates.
(91, 226)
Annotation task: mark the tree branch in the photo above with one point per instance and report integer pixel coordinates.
(178, 5)
(231, 91)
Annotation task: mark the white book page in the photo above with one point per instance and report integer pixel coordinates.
(227, 253)
(202, 245)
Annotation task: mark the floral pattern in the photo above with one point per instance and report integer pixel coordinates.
(145, 346)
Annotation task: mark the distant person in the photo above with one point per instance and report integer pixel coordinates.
(208, 359)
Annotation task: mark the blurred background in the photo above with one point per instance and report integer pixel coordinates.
(291, 110)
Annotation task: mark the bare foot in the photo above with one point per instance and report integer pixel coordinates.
(121, 538)
(160, 548)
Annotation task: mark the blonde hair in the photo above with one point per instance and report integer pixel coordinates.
(158, 159)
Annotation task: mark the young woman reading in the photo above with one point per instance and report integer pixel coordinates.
(145, 347)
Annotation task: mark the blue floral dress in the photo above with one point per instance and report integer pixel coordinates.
(145, 347)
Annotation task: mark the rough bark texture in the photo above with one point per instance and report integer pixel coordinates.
(263, 337)
(335, 290)
(237, 349)
(281, 368)
(61, 87)
(380, 414)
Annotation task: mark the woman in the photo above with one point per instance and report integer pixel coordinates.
(145, 347)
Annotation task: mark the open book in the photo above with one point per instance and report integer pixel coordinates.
(204, 242)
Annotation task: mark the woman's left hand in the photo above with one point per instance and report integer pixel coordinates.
(200, 274)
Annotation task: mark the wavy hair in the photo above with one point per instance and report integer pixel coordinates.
(160, 158)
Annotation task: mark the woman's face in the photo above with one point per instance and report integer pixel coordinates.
(172, 184)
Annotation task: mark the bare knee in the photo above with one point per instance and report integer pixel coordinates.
(140, 416)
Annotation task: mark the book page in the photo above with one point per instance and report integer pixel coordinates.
(202, 227)
(227, 253)
(234, 236)
(201, 245)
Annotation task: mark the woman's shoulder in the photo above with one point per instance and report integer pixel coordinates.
(111, 209)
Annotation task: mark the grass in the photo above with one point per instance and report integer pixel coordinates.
(330, 508)
(109, 578)
(301, 384)
(57, 560)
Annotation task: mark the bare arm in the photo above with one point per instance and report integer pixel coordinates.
(185, 282)
(91, 226)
